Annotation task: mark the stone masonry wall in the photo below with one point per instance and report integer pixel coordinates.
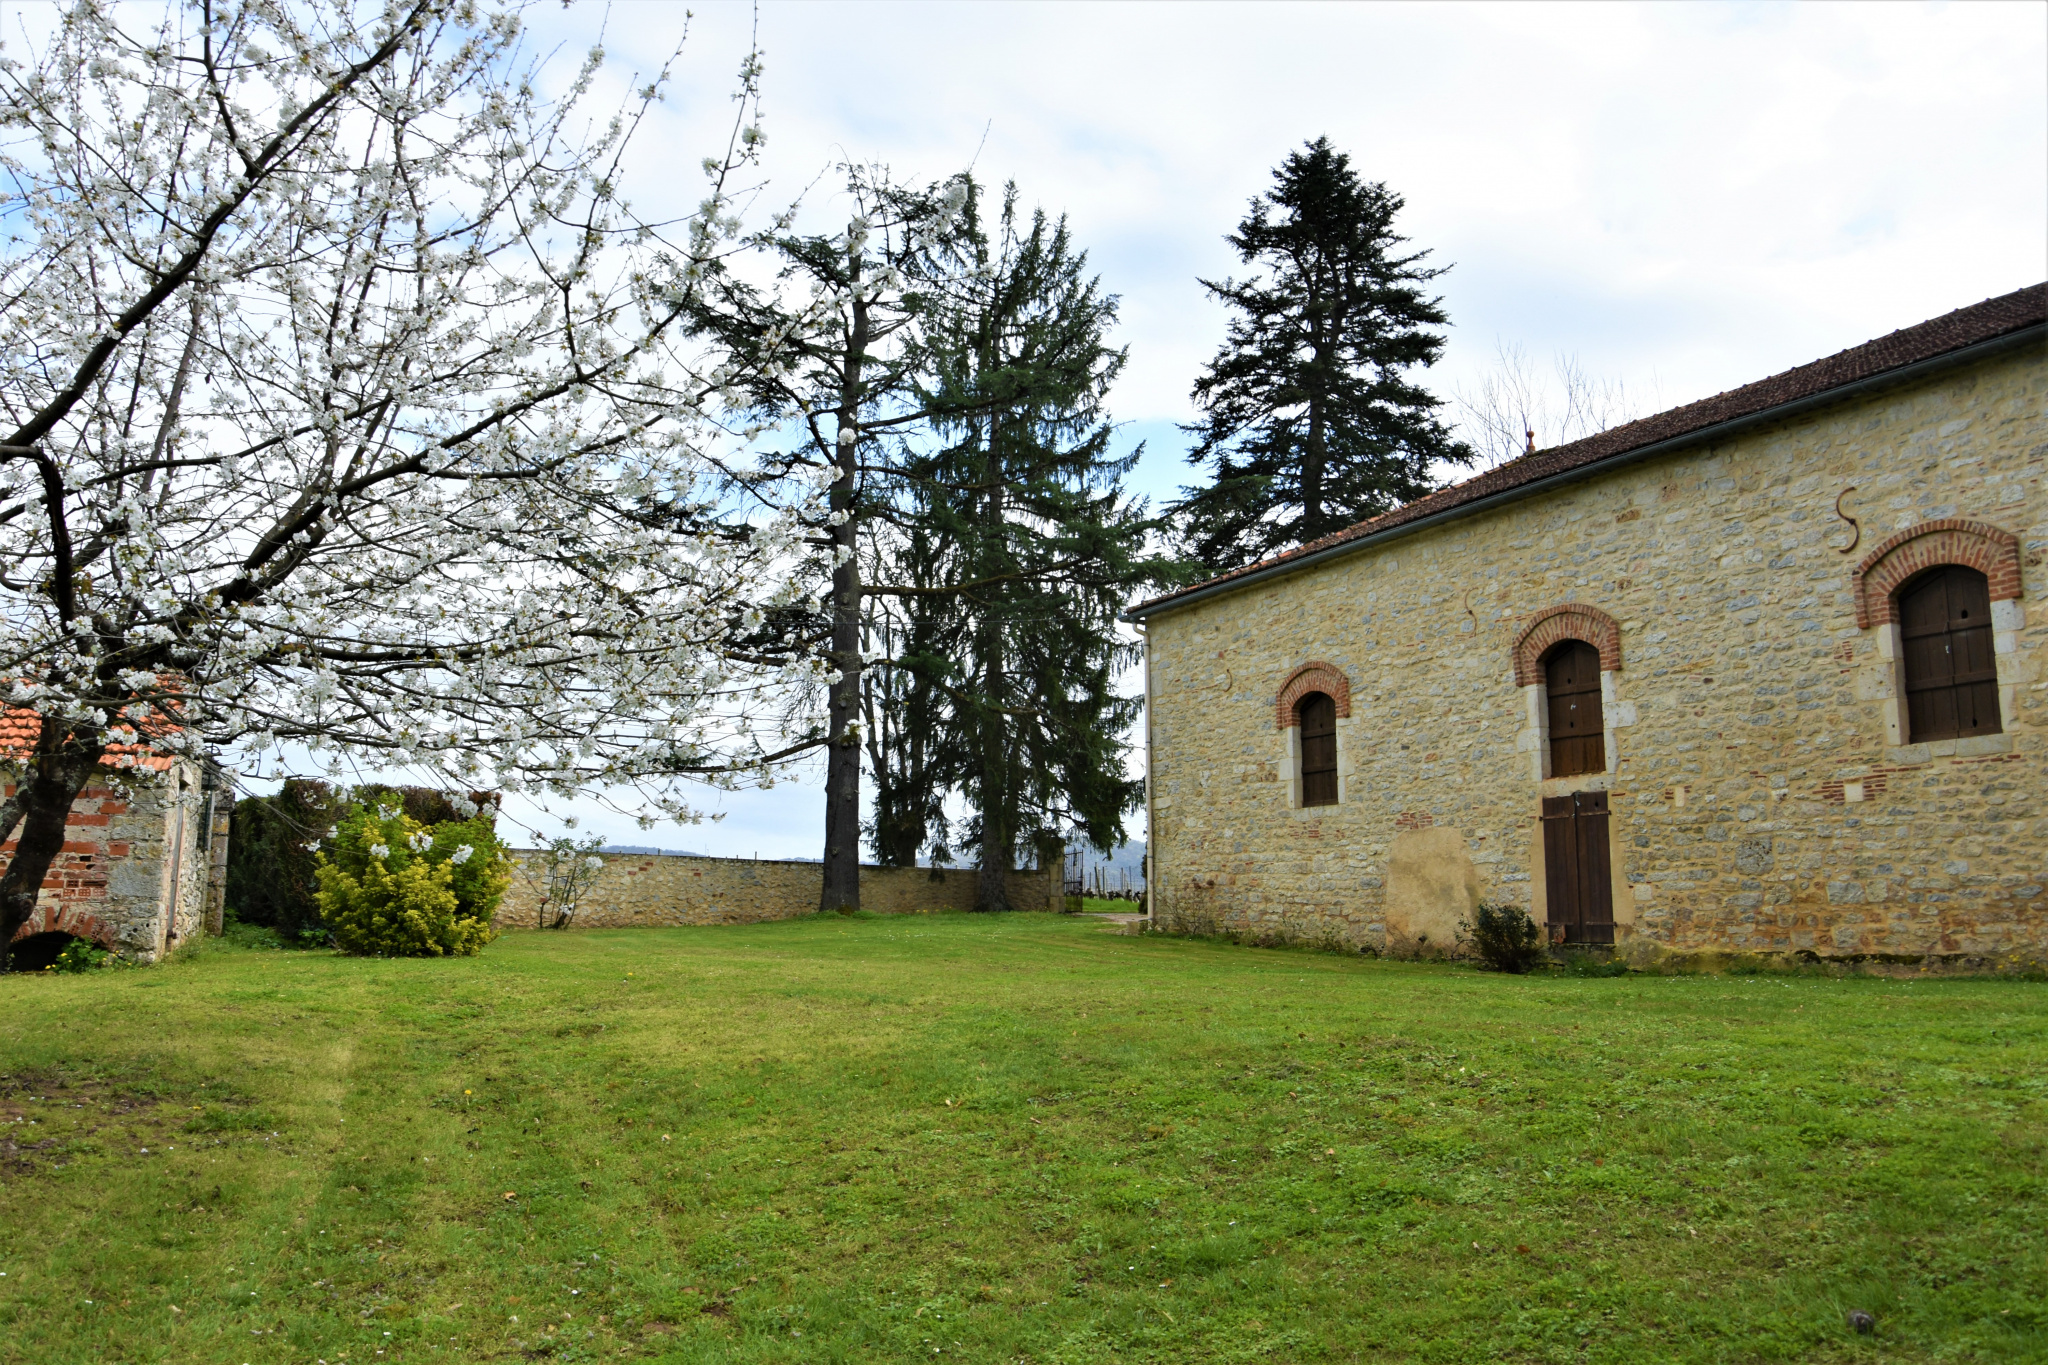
(134, 869)
(642, 889)
(1762, 798)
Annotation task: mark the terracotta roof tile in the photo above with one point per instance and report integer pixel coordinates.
(1936, 337)
(20, 727)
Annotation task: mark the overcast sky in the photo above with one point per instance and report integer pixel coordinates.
(1685, 197)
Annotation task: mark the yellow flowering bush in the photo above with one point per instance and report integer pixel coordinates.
(388, 889)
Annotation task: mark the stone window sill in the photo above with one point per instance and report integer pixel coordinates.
(1975, 746)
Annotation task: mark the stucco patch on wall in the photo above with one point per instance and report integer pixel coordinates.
(1432, 887)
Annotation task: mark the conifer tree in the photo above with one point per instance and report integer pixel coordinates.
(973, 545)
(1309, 419)
(822, 361)
(905, 714)
(1017, 551)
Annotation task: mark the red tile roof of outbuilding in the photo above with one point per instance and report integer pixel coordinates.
(1951, 332)
(20, 728)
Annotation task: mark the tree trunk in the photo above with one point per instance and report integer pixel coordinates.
(998, 827)
(64, 762)
(842, 754)
(1314, 458)
(998, 830)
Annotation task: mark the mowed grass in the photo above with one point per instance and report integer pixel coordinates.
(1009, 1139)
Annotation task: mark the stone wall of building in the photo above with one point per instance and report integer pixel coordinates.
(1761, 797)
(667, 888)
(134, 872)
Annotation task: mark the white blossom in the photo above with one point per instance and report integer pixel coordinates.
(454, 533)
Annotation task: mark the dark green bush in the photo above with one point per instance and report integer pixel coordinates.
(424, 804)
(1505, 938)
(271, 851)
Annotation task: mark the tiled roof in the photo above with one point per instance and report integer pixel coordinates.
(1980, 322)
(20, 728)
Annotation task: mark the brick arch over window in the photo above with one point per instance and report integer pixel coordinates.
(1975, 544)
(1567, 621)
(1315, 676)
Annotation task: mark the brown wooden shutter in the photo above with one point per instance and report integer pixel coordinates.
(1951, 671)
(1577, 873)
(1560, 863)
(1578, 743)
(1318, 749)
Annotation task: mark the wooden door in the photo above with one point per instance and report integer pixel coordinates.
(1951, 672)
(1576, 869)
(1571, 675)
(1318, 749)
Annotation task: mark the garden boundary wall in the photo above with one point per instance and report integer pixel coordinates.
(677, 888)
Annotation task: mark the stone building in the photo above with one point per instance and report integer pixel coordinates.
(144, 864)
(1758, 674)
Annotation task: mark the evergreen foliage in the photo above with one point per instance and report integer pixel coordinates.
(825, 356)
(1505, 938)
(1017, 549)
(1309, 421)
(272, 856)
(944, 386)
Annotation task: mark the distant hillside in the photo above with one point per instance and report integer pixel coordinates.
(644, 848)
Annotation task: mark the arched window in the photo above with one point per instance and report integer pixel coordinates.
(1318, 712)
(1951, 673)
(1571, 677)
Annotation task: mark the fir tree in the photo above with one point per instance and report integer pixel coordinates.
(1021, 550)
(1309, 421)
(973, 546)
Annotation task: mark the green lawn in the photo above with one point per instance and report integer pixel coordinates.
(1009, 1139)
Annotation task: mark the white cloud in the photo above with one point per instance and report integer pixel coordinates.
(1707, 193)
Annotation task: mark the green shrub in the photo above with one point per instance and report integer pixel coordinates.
(241, 935)
(1505, 938)
(387, 888)
(82, 955)
(272, 857)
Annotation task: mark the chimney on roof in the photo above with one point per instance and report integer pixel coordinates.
(1532, 443)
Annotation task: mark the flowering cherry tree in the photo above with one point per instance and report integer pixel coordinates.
(345, 411)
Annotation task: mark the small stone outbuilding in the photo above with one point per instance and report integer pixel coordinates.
(1755, 675)
(144, 864)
